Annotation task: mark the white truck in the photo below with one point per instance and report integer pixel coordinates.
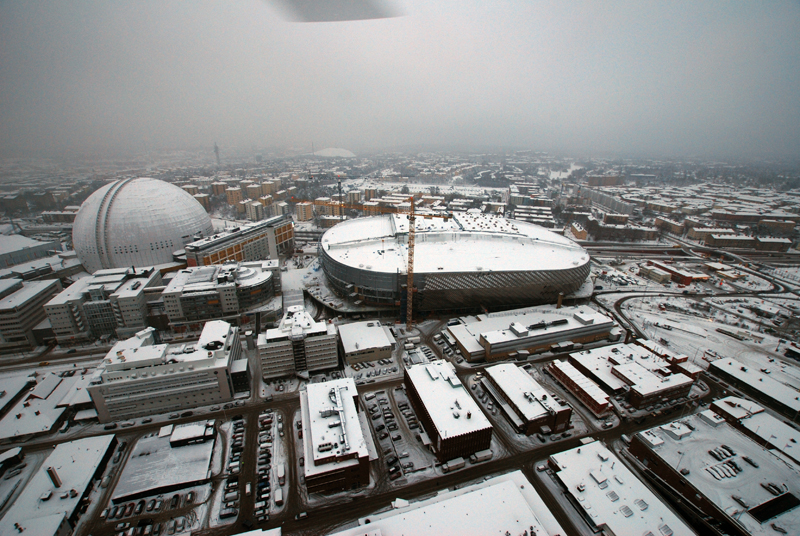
(452, 465)
(281, 474)
(481, 456)
(278, 496)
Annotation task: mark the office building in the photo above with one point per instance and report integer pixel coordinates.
(219, 292)
(365, 341)
(298, 344)
(334, 446)
(525, 403)
(109, 303)
(267, 239)
(21, 309)
(454, 424)
(140, 377)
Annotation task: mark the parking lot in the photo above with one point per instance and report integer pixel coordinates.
(396, 427)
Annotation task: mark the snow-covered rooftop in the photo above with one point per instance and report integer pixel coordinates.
(331, 427)
(524, 393)
(154, 464)
(610, 495)
(360, 336)
(758, 381)
(736, 476)
(501, 505)
(75, 464)
(451, 408)
(464, 243)
(38, 411)
(548, 323)
(622, 364)
(588, 387)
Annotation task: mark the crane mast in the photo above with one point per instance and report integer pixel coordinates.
(410, 281)
(411, 239)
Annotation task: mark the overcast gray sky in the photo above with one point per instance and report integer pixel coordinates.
(684, 78)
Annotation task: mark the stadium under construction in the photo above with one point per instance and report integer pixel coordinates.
(467, 261)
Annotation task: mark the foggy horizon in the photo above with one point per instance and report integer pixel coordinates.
(676, 79)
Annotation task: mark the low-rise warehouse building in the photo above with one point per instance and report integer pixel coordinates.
(526, 404)
(722, 474)
(452, 420)
(584, 389)
(633, 370)
(365, 341)
(50, 503)
(505, 504)
(334, 446)
(609, 497)
(497, 336)
(781, 397)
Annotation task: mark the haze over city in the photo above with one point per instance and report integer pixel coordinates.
(638, 79)
(392, 267)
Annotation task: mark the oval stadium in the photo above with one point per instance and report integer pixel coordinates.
(136, 222)
(468, 261)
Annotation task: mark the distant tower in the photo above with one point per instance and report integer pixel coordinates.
(216, 152)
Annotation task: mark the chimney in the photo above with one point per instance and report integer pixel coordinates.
(51, 472)
(560, 300)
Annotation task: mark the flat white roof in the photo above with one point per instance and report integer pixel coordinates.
(758, 381)
(29, 291)
(611, 495)
(38, 411)
(590, 388)
(163, 466)
(360, 336)
(687, 447)
(297, 322)
(505, 504)
(451, 408)
(330, 419)
(646, 371)
(495, 327)
(517, 384)
(647, 383)
(75, 463)
(139, 351)
(465, 243)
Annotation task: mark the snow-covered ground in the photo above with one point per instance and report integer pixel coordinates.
(694, 333)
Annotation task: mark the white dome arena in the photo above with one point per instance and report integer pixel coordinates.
(136, 222)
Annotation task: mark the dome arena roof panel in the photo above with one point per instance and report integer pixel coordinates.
(465, 243)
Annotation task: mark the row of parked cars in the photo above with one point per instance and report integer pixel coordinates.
(266, 423)
(230, 506)
(146, 527)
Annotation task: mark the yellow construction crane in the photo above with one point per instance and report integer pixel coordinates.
(411, 238)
